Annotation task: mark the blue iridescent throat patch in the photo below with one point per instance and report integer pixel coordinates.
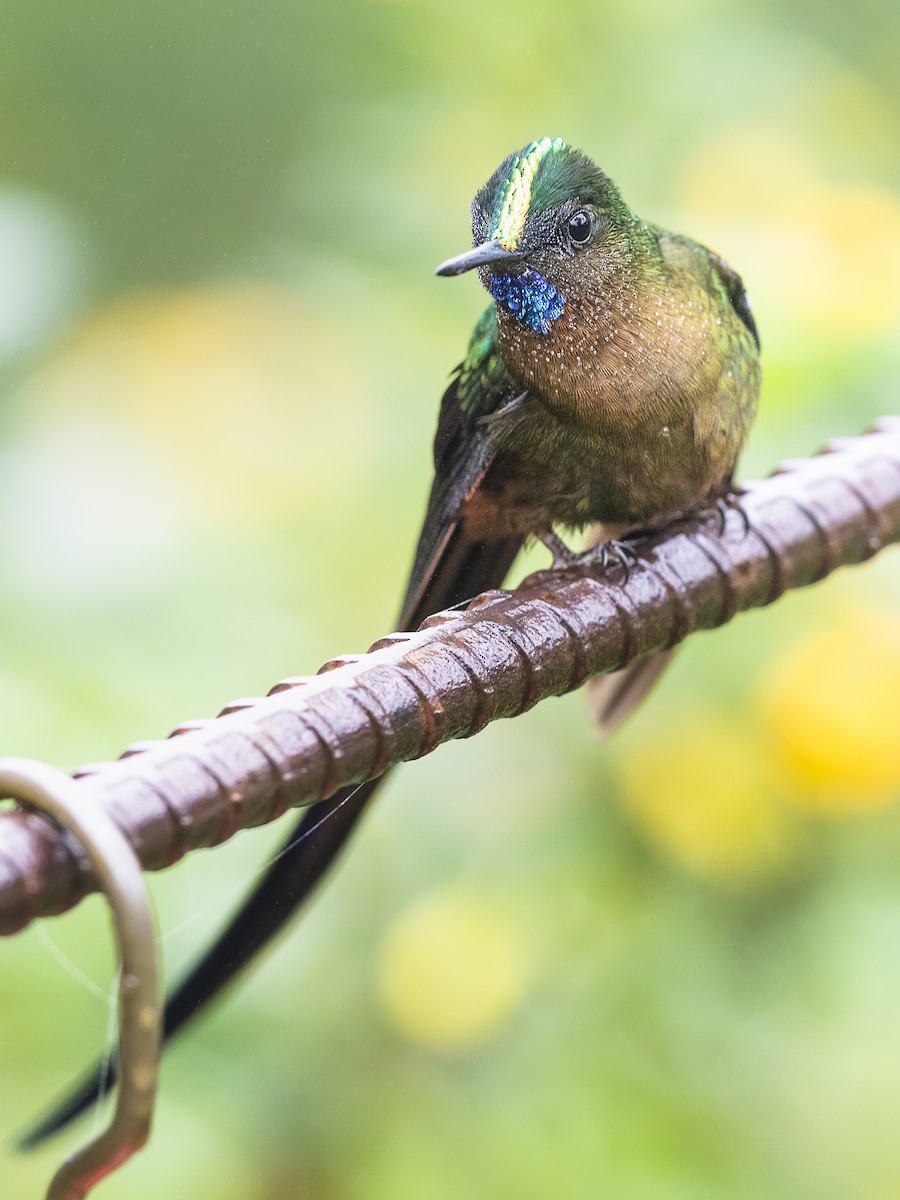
(530, 298)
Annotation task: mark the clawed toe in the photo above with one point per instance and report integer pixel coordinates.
(728, 504)
(611, 554)
(615, 553)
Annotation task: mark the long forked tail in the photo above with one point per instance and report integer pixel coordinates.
(460, 572)
(305, 856)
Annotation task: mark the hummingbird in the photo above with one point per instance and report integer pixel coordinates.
(609, 386)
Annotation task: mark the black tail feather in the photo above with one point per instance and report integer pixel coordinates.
(460, 572)
(310, 848)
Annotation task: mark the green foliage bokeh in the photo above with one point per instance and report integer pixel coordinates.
(661, 968)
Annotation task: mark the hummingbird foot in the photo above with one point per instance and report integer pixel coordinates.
(616, 553)
(731, 503)
(562, 556)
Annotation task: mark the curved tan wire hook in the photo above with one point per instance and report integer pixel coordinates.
(119, 874)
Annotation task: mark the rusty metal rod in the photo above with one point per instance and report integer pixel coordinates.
(508, 650)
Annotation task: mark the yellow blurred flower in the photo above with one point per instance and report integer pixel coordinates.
(450, 971)
(704, 797)
(831, 704)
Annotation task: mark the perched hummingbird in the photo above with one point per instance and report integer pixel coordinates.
(610, 383)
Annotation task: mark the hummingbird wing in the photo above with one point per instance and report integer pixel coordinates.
(448, 569)
(735, 291)
(449, 566)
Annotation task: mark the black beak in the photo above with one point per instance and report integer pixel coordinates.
(479, 256)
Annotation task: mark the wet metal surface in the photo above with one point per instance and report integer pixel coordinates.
(361, 714)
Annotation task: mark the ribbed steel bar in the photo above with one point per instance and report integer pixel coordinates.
(508, 650)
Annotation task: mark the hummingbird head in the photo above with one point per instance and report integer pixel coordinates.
(547, 223)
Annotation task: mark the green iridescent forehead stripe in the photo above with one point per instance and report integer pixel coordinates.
(515, 195)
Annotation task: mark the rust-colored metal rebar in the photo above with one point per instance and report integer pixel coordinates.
(461, 670)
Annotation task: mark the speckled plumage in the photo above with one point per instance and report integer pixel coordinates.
(640, 396)
(626, 405)
(611, 382)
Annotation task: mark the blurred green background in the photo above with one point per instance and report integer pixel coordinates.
(664, 968)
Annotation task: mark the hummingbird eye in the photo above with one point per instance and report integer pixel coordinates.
(580, 226)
